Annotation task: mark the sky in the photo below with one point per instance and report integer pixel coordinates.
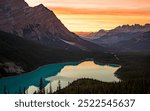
(93, 15)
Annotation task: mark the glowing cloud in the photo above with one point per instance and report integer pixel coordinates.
(92, 15)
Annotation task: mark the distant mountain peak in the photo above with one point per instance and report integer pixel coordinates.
(42, 7)
(98, 34)
(131, 28)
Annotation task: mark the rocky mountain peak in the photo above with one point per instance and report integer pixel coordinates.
(12, 4)
(40, 25)
(130, 28)
(98, 34)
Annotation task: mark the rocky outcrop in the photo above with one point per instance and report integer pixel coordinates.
(10, 68)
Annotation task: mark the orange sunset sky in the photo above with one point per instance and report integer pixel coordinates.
(93, 15)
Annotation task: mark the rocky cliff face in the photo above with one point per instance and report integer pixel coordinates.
(38, 24)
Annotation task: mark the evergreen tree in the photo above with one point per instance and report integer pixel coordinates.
(35, 92)
(50, 88)
(41, 88)
(59, 86)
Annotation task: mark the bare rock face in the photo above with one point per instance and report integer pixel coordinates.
(20, 19)
(126, 38)
(13, 4)
(8, 10)
(38, 24)
(130, 29)
(121, 29)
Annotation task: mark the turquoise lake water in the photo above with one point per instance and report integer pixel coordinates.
(65, 72)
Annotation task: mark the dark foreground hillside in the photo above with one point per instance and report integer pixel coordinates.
(89, 86)
(27, 55)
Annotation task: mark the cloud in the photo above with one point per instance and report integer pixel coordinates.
(92, 15)
(93, 3)
(66, 10)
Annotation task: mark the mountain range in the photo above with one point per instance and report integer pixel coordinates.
(119, 38)
(40, 25)
(34, 36)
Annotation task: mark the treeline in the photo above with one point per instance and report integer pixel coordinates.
(133, 65)
(41, 89)
(90, 86)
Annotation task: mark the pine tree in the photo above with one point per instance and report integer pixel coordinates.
(50, 88)
(41, 88)
(59, 86)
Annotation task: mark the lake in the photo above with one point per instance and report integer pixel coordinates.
(63, 72)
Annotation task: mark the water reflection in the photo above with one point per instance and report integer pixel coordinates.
(87, 69)
(65, 72)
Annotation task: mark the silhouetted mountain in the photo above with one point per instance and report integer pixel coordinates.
(96, 35)
(109, 40)
(124, 34)
(130, 29)
(18, 55)
(41, 25)
(120, 29)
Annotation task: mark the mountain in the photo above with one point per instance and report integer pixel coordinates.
(19, 55)
(96, 35)
(120, 29)
(41, 25)
(130, 29)
(110, 39)
(121, 35)
(138, 43)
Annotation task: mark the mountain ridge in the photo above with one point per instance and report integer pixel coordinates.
(121, 29)
(41, 25)
(126, 38)
(29, 55)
